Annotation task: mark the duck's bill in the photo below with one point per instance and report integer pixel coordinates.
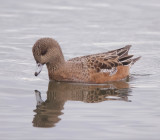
(38, 69)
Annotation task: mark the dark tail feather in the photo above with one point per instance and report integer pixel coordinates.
(125, 63)
(130, 61)
(125, 58)
(123, 51)
(135, 59)
(128, 47)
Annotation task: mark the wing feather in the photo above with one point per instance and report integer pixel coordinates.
(108, 61)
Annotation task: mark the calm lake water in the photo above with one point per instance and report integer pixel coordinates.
(125, 110)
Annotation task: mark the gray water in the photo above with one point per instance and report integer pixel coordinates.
(125, 110)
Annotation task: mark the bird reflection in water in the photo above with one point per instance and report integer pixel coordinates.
(48, 112)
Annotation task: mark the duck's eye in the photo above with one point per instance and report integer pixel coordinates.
(43, 52)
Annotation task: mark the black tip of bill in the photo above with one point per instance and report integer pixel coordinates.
(36, 74)
(38, 69)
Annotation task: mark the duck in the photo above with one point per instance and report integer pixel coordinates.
(97, 68)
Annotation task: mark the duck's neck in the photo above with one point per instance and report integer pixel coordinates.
(55, 66)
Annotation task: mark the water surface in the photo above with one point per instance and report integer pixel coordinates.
(122, 110)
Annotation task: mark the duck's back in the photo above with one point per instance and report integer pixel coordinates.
(103, 67)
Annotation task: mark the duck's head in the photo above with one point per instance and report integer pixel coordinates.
(46, 51)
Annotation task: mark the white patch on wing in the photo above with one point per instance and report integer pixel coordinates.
(104, 70)
(110, 71)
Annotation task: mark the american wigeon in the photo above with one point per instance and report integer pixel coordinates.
(96, 68)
